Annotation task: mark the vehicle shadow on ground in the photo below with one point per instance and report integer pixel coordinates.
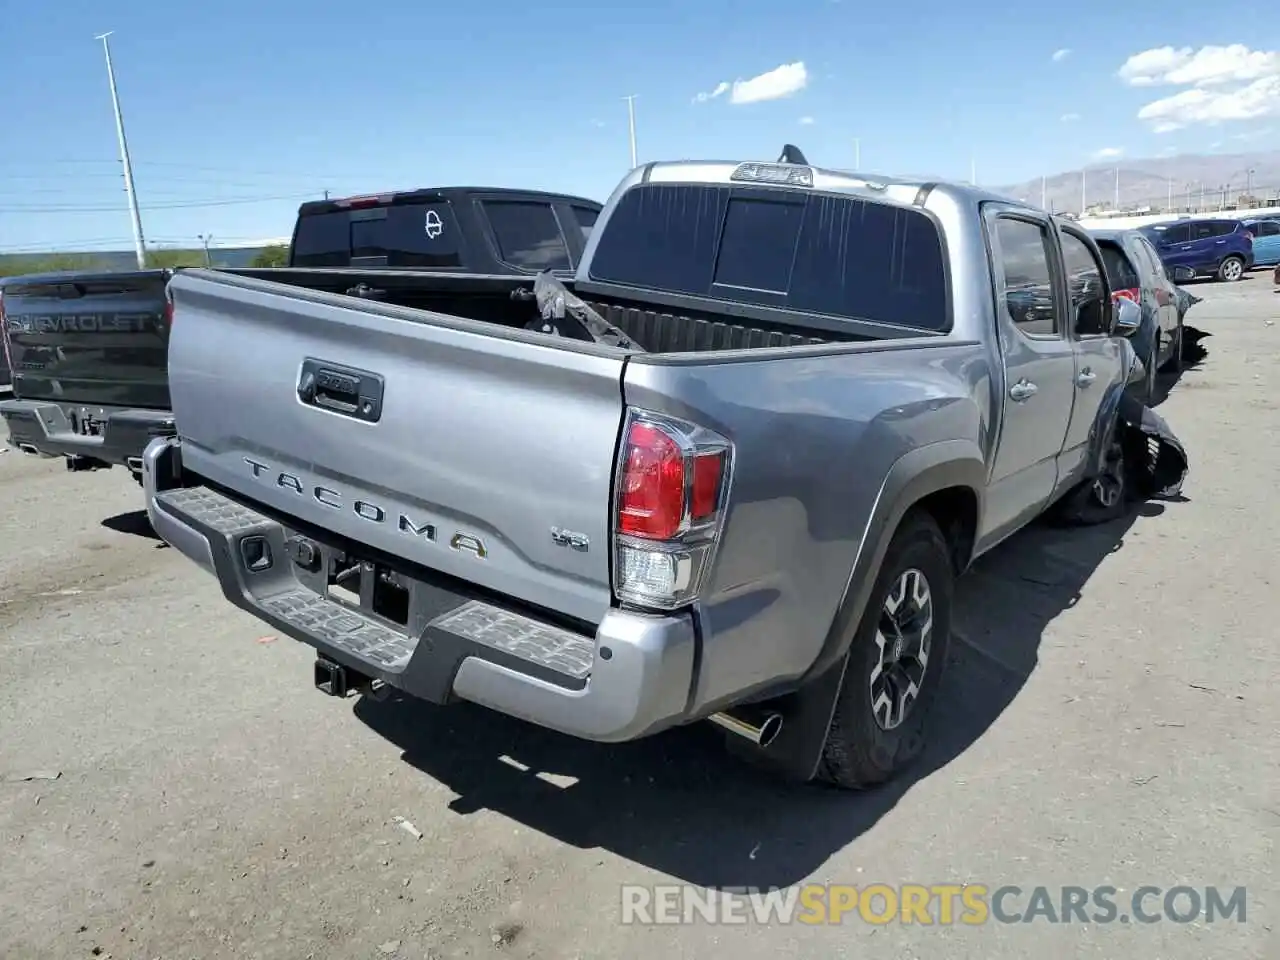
(1194, 354)
(680, 804)
(133, 522)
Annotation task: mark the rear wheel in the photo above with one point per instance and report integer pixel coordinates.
(895, 662)
(1231, 269)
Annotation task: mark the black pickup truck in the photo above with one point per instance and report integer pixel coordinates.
(88, 351)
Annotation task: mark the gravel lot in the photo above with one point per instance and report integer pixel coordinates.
(1113, 720)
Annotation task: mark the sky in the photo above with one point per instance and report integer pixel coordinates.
(236, 112)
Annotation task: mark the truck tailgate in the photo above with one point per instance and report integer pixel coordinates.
(89, 338)
(413, 433)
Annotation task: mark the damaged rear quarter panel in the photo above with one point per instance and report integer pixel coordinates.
(814, 439)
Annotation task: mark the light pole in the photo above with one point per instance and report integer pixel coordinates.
(138, 243)
(204, 238)
(631, 120)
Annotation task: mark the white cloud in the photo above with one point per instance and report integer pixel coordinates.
(1221, 84)
(1208, 66)
(1070, 117)
(721, 88)
(1060, 55)
(1108, 153)
(775, 84)
(1261, 98)
(807, 121)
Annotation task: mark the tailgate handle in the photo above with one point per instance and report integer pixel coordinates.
(340, 389)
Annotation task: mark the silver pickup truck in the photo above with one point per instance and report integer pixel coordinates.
(829, 395)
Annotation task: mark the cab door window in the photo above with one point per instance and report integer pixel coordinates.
(1027, 282)
(1086, 291)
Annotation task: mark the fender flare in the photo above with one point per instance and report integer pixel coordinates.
(914, 476)
(797, 750)
(1107, 422)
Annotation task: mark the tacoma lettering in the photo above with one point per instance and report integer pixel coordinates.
(365, 510)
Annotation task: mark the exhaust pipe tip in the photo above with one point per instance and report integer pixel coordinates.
(134, 464)
(761, 734)
(28, 449)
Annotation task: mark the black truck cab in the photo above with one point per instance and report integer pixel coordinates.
(89, 351)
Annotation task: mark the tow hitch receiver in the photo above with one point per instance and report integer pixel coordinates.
(336, 680)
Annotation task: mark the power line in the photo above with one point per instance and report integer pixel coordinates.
(176, 205)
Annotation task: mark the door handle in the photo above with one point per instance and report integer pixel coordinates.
(1085, 378)
(1023, 389)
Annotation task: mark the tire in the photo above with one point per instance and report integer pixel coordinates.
(862, 749)
(1105, 497)
(1231, 269)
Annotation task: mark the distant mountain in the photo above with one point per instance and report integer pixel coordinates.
(1206, 182)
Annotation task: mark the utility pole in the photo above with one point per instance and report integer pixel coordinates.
(1084, 178)
(1117, 203)
(138, 242)
(631, 119)
(205, 238)
(1168, 206)
(857, 154)
(1044, 192)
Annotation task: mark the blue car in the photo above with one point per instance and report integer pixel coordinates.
(1266, 241)
(1210, 247)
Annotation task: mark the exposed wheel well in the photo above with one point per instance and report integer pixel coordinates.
(955, 510)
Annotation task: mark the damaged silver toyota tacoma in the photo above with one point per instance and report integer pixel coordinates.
(730, 471)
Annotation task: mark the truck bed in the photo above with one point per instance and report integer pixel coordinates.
(488, 299)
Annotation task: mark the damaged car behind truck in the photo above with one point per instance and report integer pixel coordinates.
(731, 471)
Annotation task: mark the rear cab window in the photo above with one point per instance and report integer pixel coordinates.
(586, 218)
(410, 233)
(837, 256)
(1122, 273)
(527, 234)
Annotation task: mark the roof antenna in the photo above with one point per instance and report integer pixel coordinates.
(791, 154)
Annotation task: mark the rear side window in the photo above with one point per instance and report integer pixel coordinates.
(1213, 228)
(839, 256)
(1265, 228)
(528, 234)
(416, 235)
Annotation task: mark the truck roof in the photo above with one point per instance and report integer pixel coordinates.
(896, 189)
(441, 193)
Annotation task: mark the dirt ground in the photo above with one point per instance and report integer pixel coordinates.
(1112, 718)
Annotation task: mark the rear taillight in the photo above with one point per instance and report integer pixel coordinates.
(673, 478)
(1132, 293)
